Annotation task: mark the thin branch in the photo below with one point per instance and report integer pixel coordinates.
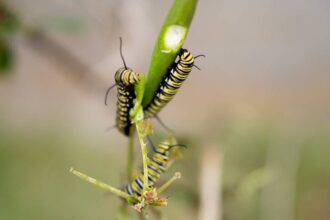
(101, 184)
(161, 189)
(130, 157)
(144, 150)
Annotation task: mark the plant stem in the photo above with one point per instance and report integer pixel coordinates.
(139, 91)
(176, 176)
(142, 215)
(123, 213)
(169, 42)
(138, 117)
(130, 157)
(102, 185)
(144, 150)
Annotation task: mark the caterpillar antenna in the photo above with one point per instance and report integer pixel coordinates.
(163, 124)
(200, 55)
(151, 143)
(121, 52)
(107, 93)
(110, 128)
(178, 145)
(197, 67)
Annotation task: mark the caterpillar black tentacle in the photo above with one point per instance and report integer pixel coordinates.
(151, 143)
(160, 121)
(200, 55)
(107, 93)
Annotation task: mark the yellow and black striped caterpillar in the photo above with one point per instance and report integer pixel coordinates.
(125, 79)
(171, 82)
(158, 165)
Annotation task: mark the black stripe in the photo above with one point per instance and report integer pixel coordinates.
(139, 182)
(153, 168)
(129, 189)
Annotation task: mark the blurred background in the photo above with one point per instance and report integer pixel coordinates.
(255, 118)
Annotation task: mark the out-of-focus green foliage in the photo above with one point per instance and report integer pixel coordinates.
(8, 25)
(6, 57)
(8, 21)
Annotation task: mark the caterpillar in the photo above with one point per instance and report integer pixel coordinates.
(171, 82)
(158, 165)
(125, 79)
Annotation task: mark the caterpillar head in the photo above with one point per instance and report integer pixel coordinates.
(185, 55)
(126, 77)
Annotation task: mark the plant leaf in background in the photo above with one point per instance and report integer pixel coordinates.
(8, 25)
(169, 42)
(6, 57)
(8, 21)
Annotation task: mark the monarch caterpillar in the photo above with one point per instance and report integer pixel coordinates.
(171, 82)
(158, 165)
(125, 79)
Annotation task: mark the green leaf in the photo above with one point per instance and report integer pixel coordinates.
(6, 57)
(170, 40)
(8, 21)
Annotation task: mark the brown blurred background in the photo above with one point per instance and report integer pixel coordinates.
(258, 109)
